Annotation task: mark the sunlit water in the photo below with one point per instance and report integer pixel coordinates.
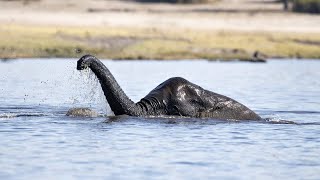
(37, 140)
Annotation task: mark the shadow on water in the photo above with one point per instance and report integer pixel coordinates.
(195, 121)
(11, 112)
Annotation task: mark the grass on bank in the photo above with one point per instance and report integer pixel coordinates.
(129, 43)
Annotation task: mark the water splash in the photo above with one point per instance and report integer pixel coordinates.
(87, 92)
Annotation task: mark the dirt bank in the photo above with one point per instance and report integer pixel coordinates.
(121, 29)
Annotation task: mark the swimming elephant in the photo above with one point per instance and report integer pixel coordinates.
(174, 97)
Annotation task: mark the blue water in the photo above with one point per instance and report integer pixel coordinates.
(37, 140)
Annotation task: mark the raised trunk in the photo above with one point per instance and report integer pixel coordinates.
(117, 99)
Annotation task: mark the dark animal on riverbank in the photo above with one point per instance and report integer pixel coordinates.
(176, 96)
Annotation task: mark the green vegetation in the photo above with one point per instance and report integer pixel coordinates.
(129, 43)
(311, 6)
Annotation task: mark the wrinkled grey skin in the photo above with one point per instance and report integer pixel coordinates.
(175, 96)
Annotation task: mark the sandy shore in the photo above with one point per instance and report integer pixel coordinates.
(225, 15)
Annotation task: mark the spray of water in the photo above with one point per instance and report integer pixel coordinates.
(87, 92)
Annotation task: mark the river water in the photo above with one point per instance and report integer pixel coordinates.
(39, 142)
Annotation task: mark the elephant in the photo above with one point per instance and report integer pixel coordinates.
(174, 97)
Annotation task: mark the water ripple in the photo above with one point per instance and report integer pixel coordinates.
(298, 112)
(13, 115)
(191, 163)
(39, 142)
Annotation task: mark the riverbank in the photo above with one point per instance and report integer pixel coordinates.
(145, 43)
(123, 30)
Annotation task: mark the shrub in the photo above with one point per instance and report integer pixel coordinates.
(310, 6)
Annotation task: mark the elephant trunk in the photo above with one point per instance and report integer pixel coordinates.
(119, 102)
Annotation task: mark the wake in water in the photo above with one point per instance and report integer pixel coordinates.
(188, 120)
(14, 115)
(298, 112)
(278, 121)
(89, 113)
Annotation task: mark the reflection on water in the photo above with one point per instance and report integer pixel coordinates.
(39, 141)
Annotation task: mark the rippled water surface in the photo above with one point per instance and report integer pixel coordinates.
(39, 142)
